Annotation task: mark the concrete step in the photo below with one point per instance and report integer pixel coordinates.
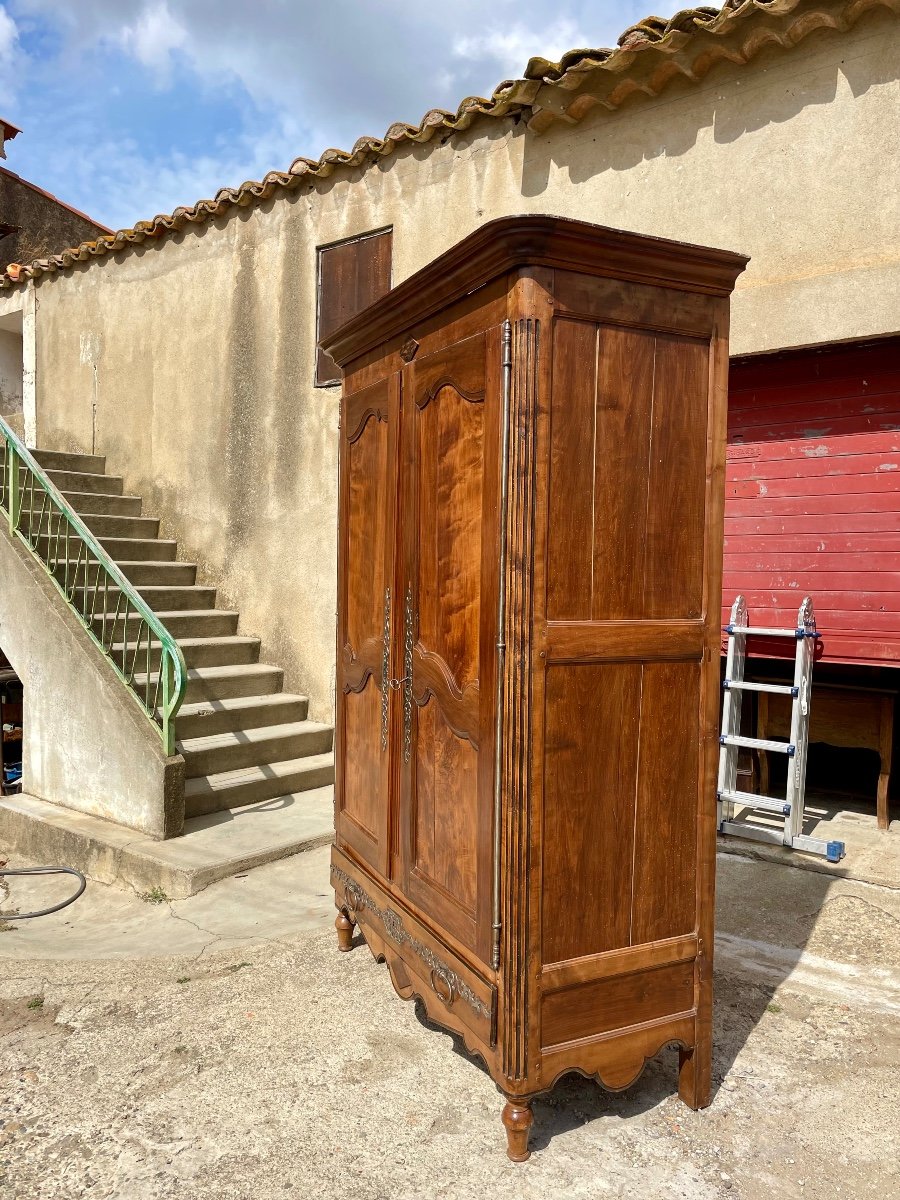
(240, 714)
(203, 651)
(223, 683)
(94, 521)
(59, 460)
(107, 504)
(80, 481)
(170, 599)
(252, 747)
(143, 573)
(160, 598)
(212, 847)
(192, 623)
(127, 549)
(122, 549)
(111, 525)
(252, 785)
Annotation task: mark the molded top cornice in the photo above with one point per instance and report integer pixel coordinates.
(511, 243)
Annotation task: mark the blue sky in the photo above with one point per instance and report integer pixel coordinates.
(132, 107)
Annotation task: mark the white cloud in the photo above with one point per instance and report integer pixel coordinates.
(515, 45)
(9, 53)
(344, 66)
(152, 37)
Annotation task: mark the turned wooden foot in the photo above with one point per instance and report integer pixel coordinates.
(344, 927)
(518, 1119)
(694, 1082)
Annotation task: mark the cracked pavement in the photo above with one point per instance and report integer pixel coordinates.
(220, 1047)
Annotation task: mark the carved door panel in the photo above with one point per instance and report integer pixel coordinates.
(368, 608)
(449, 563)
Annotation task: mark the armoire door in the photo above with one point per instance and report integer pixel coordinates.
(450, 472)
(368, 614)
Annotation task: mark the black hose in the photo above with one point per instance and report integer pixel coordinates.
(45, 912)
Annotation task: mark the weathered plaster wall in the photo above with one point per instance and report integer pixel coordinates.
(85, 745)
(10, 372)
(190, 362)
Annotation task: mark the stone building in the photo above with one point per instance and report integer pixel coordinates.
(33, 223)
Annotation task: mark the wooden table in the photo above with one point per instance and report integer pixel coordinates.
(841, 715)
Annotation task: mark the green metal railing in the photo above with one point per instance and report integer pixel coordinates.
(138, 646)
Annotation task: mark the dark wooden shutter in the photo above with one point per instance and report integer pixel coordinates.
(352, 276)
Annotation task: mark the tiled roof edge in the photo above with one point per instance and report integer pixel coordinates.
(652, 53)
(648, 56)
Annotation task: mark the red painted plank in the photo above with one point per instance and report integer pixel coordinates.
(816, 466)
(859, 443)
(848, 485)
(853, 422)
(822, 363)
(763, 400)
(853, 606)
(776, 544)
(846, 380)
(813, 507)
(822, 565)
(831, 631)
(785, 581)
(805, 413)
(869, 650)
(825, 523)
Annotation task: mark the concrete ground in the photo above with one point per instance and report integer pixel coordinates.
(219, 1047)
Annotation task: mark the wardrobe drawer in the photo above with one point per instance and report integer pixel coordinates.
(420, 963)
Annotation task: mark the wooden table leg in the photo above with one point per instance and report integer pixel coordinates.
(886, 742)
(762, 721)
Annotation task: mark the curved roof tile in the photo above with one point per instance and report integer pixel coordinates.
(647, 57)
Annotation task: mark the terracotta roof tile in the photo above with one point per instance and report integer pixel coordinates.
(648, 56)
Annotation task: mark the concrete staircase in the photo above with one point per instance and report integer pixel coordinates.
(243, 739)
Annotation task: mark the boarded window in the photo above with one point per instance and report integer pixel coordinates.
(352, 275)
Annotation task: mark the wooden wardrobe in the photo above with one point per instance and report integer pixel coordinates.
(532, 454)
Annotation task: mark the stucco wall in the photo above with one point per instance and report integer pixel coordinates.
(85, 745)
(190, 362)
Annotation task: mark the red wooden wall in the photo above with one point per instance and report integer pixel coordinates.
(813, 495)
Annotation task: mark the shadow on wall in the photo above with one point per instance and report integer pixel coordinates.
(684, 109)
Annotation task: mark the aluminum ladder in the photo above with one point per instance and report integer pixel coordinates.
(791, 808)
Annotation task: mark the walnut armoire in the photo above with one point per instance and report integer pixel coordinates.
(531, 494)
